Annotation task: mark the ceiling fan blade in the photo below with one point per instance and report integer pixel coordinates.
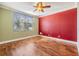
(47, 6)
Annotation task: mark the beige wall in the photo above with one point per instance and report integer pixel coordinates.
(0, 25)
(6, 26)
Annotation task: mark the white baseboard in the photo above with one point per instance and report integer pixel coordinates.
(17, 39)
(37, 35)
(60, 39)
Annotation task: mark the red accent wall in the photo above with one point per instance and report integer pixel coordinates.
(60, 25)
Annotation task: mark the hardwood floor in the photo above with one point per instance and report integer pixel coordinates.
(38, 46)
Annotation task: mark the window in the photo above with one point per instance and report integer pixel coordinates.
(22, 22)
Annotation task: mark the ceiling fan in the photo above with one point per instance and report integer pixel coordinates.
(40, 6)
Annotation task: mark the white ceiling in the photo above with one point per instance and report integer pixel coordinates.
(28, 7)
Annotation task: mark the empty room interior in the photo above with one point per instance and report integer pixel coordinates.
(38, 29)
